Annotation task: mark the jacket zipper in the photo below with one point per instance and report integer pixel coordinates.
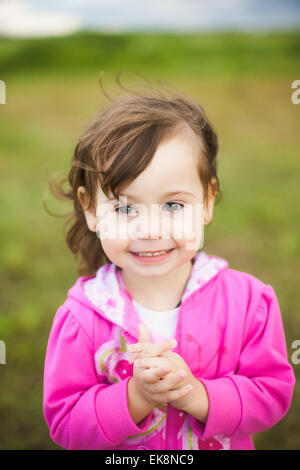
(172, 413)
(171, 428)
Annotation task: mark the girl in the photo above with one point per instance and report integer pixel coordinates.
(158, 345)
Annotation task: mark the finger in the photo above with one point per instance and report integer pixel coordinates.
(145, 335)
(152, 375)
(133, 357)
(170, 382)
(153, 349)
(171, 395)
(146, 362)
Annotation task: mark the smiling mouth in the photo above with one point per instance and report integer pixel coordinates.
(151, 253)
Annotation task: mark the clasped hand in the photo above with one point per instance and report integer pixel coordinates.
(161, 376)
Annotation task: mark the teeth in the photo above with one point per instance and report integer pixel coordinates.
(156, 253)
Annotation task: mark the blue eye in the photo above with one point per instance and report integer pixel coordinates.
(174, 203)
(119, 211)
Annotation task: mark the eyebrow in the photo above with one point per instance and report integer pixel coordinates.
(170, 193)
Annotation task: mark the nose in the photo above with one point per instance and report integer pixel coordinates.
(148, 225)
(151, 225)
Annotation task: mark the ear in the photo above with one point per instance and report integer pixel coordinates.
(90, 215)
(209, 206)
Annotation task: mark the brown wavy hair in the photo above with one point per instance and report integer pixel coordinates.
(126, 134)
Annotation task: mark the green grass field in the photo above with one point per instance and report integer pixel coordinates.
(243, 82)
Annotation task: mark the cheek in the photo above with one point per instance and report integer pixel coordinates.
(115, 251)
(188, 228)
(114, 242)
(111, 245)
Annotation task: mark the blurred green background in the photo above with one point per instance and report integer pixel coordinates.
(243, 81)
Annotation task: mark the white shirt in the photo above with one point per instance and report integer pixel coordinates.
(162, 322)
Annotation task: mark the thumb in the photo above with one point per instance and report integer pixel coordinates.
(144, 335)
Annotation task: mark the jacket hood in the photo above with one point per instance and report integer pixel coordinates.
(105, 292)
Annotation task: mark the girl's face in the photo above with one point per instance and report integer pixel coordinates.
(162, 209)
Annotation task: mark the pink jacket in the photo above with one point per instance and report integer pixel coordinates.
(229, 332)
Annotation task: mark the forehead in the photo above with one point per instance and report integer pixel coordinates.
(173, 166)
(179, 153)
(174, 163)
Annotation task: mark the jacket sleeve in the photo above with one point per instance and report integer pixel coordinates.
(81, 412)
(258, 394)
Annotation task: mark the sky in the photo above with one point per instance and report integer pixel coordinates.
(29, 18)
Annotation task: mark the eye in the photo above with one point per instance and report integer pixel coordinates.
(173, 203)
(119, 209)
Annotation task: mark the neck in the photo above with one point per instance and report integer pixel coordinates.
(158, 293)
